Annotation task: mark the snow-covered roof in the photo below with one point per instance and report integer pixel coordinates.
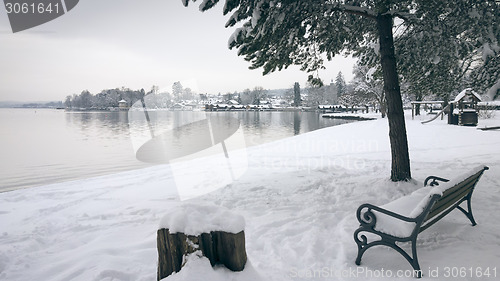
(330, 105)
(462, 94)
(123, 101)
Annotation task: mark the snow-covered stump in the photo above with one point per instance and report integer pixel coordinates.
(213, 230)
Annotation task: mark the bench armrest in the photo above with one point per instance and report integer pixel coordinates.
(434, 180)
(366, 217)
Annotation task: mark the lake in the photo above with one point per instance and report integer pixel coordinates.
(43, 146)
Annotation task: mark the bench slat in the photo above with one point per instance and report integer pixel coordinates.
(470, 180)
(430, 222)
(449, 203)
(459, 192)
(453, 195)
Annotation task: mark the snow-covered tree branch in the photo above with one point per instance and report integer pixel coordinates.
(434, 39)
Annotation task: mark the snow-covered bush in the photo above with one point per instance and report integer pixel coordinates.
(487, 112)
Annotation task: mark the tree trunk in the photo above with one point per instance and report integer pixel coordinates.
(418, 97)
(218, 246)
(400, 170)
(383, 106)
(383, 110)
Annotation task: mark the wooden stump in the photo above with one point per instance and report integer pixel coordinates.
(218, 246)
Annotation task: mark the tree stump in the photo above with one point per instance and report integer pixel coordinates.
(219, 247)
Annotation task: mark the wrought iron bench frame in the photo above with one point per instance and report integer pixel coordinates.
(438, 207)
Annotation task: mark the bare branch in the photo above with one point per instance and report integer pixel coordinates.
(407, 17)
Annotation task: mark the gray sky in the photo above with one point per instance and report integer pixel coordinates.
(136, 44)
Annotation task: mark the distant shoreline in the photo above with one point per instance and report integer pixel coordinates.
(16, 104)
(348, 117)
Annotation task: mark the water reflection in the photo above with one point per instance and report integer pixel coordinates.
(259, 127)
(48, 146)
(109, 124)
(296, 123)
(188, 139)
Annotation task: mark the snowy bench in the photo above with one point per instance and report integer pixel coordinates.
(403, 219)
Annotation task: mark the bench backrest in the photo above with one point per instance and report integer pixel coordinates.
(451, 198)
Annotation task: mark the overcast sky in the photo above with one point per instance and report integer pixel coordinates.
(103, 44)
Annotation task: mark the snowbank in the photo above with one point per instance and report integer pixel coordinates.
(198, 267)
(298, 197)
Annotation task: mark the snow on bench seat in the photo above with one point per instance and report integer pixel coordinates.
(413, 205)
(403, 219)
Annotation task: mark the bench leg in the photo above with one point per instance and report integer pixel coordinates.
(468, 212)
(363, 245)
(414, 261)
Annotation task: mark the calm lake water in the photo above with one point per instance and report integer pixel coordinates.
(42, 146)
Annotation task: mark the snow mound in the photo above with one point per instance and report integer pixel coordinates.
(194, 219)
(197, 267)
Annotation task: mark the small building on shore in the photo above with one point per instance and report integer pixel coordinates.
(464, 109)
(123, 105)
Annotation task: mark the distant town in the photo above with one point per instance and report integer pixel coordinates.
(181, 98)
(334, 95)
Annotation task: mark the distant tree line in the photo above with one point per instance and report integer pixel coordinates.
(103, 100)
(52, 104)
(110, 98)
(245, 97)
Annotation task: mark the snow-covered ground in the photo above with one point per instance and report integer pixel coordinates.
(298, 199)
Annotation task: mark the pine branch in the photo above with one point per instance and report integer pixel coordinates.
(354, 10)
